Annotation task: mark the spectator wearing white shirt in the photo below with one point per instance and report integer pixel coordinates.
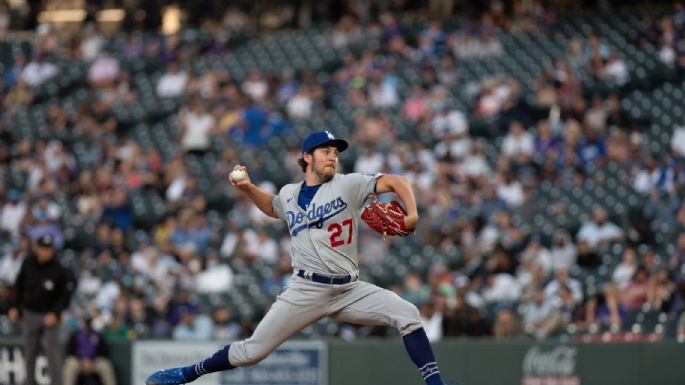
(300, 105)
(455, 146)
(173, 82)
(518, 142)
(255, 86)
(432, 321)
(510, 190)
(197, 126)
(91, 43)
(475, 164)
(647, 178)
(625, 270)
(537, 311)
(678, 141)
(501, 288)
(37, 71)
(383, 92)
(369, 162)
(259, 246)
(563, 251)
(599, 230)
(562, 278)
(14, 255)
(449, 122)
(538, 254)
(194, 326)
(615, 70)
(12, 213)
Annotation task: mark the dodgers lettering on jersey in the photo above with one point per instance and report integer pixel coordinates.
(324, 236)
(316, 215)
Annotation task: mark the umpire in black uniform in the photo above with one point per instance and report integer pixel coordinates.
(42, 290)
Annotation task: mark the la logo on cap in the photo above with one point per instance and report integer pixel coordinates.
(330, 135)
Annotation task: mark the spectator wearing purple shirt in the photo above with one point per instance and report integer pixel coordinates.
(546, 143)
(87, 358)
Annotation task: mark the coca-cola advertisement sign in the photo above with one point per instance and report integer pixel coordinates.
(550, 367)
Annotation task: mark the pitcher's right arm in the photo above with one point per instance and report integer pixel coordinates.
(262, 199)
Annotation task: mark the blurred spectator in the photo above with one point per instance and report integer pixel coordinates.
(225, 329)
(592, 148)
(103, 71)
(432, 320)
(91, 42)
(546, 144)
(44, 222)
(501, 288)
(615, 71)
(678, 141)
(414, 290)
(255, 86)
(5, 298)
(538, 311)
(12, 259)
(538, 254)
(647, 178)
(605, 309)
(118, 210)
(369, 161)
(38, 71)
(173, 81)
(416, 104)
(197, 125)
(13, 74)
(12, 213)
(563, 251)
(662, 291)
(193, 326)
(625, 270)
(215, 277)
(563, 279)
(259, 246)
(517, 142)
(510, 190)
(300, 105)
(507, 324)
(616, 116)
(86, 356)
(599, 230)
(677, 259)
(280, 276)
(634, 294)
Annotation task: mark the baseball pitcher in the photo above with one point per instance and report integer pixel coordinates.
(322, 214)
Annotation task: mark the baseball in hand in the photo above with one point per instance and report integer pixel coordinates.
(238, 175)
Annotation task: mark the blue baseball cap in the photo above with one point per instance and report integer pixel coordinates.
(320, 138)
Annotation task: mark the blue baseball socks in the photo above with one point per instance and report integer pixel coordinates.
(421, 353)
(216, 363)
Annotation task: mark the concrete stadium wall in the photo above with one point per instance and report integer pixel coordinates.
(513, 363)
(463, 362)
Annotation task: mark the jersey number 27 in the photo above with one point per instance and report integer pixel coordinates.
(336, 231)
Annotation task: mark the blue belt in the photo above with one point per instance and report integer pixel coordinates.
(327, 279)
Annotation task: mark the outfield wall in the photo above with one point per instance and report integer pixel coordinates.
(371, 362)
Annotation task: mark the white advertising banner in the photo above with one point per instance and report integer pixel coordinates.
(293, 363)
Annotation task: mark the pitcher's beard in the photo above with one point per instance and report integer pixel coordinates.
(324, 176)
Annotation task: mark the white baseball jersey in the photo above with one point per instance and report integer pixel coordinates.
(324, 241)
(324, 236)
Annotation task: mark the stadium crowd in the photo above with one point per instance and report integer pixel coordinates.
(139, 279)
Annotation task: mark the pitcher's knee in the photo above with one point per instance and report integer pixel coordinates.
(251, 360)
(409, 319)
(247, 353)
